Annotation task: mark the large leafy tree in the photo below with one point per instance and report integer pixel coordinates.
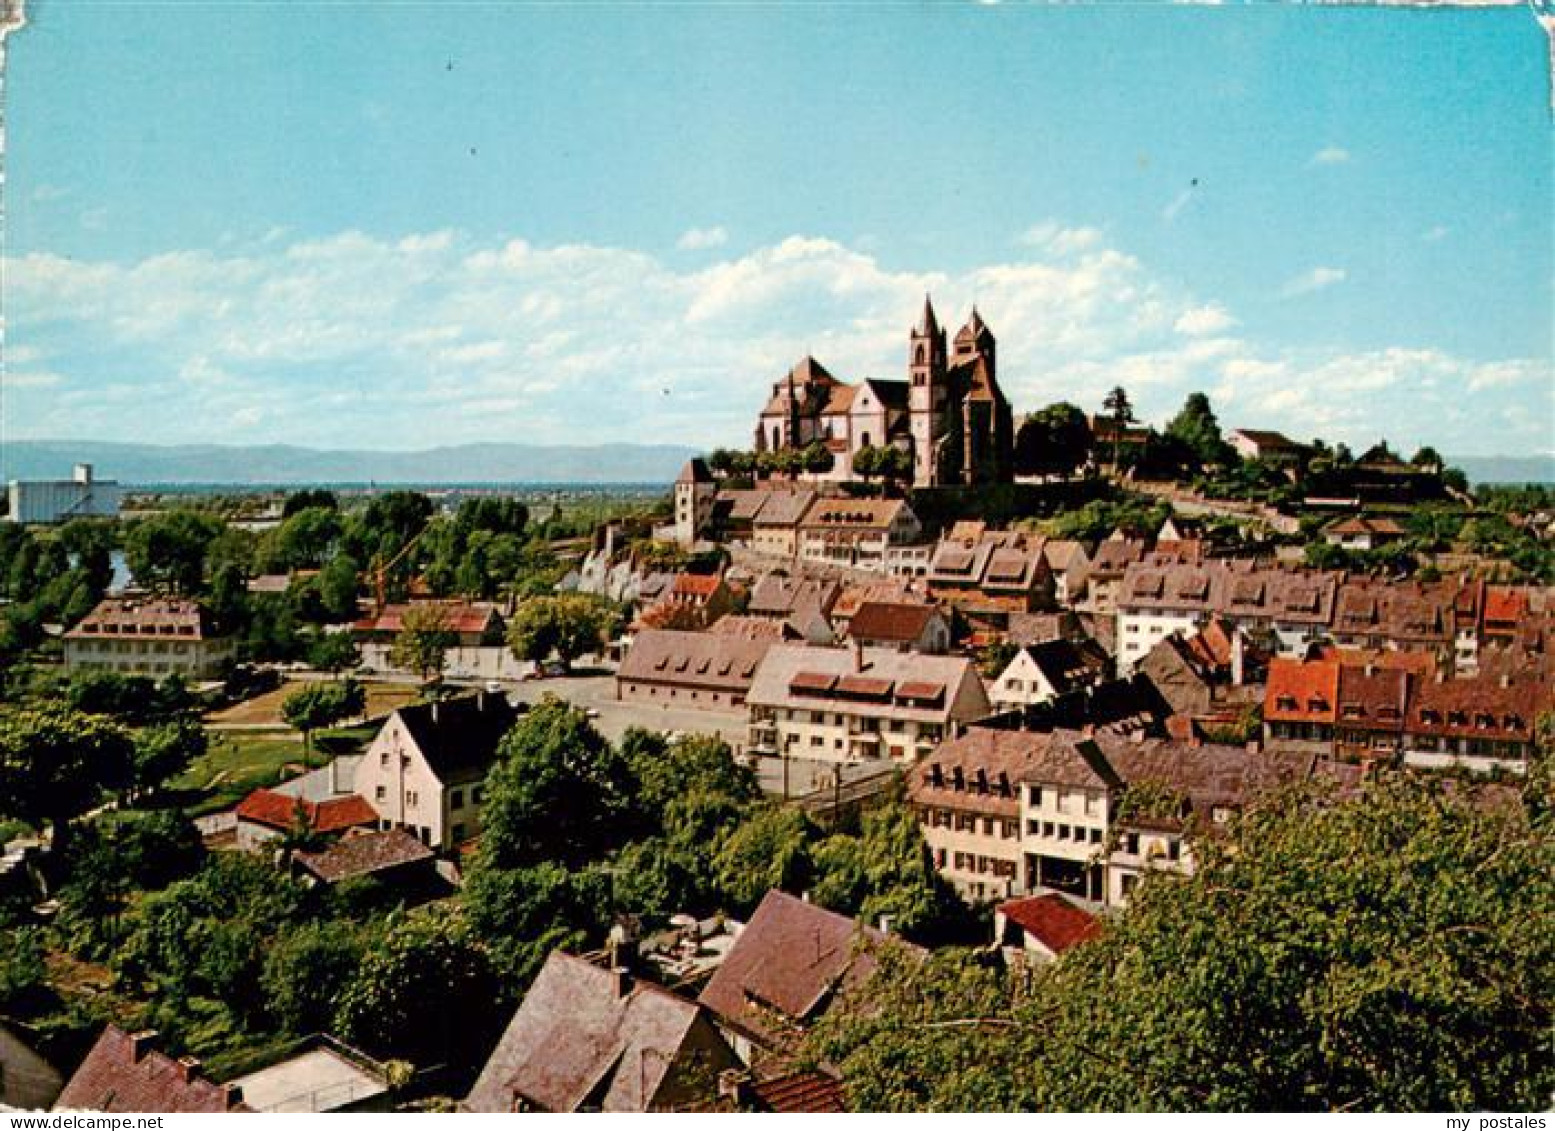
(167, 551)
(1391, 952)
(568, 626)
(425, 636)
(1196, 428)
(317, 705)
(1054, 441)
(56, 763)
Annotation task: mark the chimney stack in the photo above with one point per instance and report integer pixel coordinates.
(621, 980)
(858, 655)
(188, 1068)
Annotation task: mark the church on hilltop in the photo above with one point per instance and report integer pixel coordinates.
(949, 414)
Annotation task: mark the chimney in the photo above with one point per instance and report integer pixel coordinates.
(858, 655)
(621, 981)
(188, 1068)
(1371, 669)
(1506, 679)
(141, 1043)
(434, 712)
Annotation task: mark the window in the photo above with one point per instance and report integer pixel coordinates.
(411, 798)
(478, 794)
(1034, 793)
(456, 799)
(1047, 828)
(458, 834)
(1095, 836)
(380, 794)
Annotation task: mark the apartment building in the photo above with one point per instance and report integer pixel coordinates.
(136, 636)
(857, 533)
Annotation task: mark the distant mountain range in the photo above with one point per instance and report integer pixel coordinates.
(283, 464)
(1506, 469)
(464, 463)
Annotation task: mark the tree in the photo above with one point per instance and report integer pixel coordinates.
(866, 462)
(1388, 952)
(567, 626)
(56, 763)
(334, 652)
(1428, 459)
(818, 459)
(167, 551)
(770, 849)
(305, 539)
(337, 585)
(425, 991)
(422, 643)
(1196, 428)
(305, 973)
(1118, 407)
(1054, 441)
(166, 750)
(317, 705)
(309, 499)
(557, 792)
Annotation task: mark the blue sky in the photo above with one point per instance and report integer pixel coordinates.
(395, 226)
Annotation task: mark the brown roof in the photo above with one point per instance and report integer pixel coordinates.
(777, 595)
(716, 661)
(1360, 524)
(784, 508)
(790, 959)
(696, 585)
(1493, 709)
(365, 855)
(125, 1073)
(464, 617)
(125, 616)
(852, 514)
(1374, 698)
(1265, 439)
(280, 811)
(754, 628)
(982, 769)
(576, 1040)
(800, 1093)
(1052, 920)
(885, 620)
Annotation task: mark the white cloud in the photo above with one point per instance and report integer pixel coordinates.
(1436, 234)
(1051, 237)
(701, 239)
(1317, 279)
(1209, 319)
(1330, 155)
(436, 338)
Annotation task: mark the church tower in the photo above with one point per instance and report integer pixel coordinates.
(926, 391)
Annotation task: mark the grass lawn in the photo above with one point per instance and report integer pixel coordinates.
(266, 709)
(235, 765)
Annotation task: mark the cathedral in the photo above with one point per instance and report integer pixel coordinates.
(949, 414)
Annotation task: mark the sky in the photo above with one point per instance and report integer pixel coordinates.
(402, 225)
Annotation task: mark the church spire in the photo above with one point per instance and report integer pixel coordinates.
(928, 324)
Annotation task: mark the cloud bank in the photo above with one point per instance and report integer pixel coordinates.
(433, 338)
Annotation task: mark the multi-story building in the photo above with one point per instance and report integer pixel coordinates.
(949, 414)
(857, 533)
(848, 705)
(695, 492)
(702, 670)
(155, 638)
(775, 528)
(1040, 672)
(998, 572)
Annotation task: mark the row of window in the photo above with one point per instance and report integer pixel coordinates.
(1054, 830)
(971, 823)
(972, 862)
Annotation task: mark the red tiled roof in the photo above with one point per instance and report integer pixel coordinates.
(696, 585)
(462, 617)
(125, 1073)
(279, 811)
(800, 1093)
(1299, 692)
(125, 616)
(1505, 606)
(1052, 920)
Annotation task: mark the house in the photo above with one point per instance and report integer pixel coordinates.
(1040, 672)
(124, 1072)
(775, 528)
(902, 626)
(1104, 574)
(949, 415)
(586, 1038)
(1270, 447)
(1067, 563)
(60, 500)
(425, 769)
(966, 796)
(316, 1074)
(27, 1081)
(836, 706)
(999, 572)
(1359, 532)
(895, 591)
(1042, 927)
(150, 637)
(267, 814)
(707, 595)
(784, 971)
(705, 670)
(1484, 724)
(1197, 672)
(1301, 703)
(390, 856)
(857, 533)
